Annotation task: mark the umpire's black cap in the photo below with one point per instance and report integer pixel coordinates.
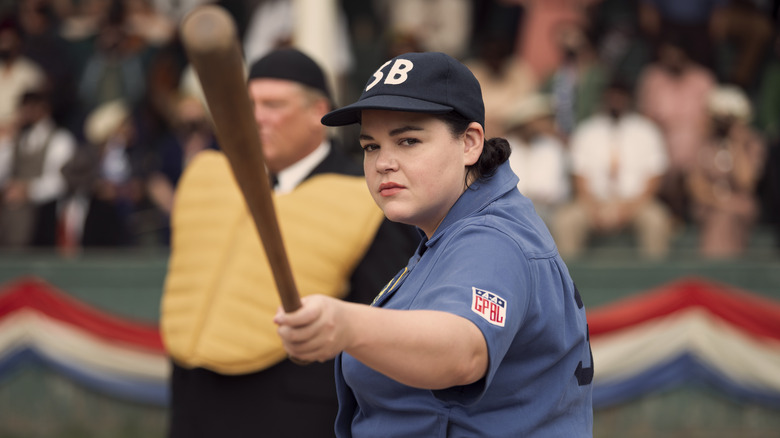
(292, 65)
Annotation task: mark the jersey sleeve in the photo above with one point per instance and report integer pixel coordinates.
(482, 275)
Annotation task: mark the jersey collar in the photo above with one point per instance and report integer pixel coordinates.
(478, 196)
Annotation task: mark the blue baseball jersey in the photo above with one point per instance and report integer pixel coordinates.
(493, 262)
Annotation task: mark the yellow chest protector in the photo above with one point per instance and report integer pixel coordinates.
(220, 296)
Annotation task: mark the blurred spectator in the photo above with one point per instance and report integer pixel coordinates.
(768, 115)
(577, 84)
(82, 19)
(697, 22)
(30, 168)
(270, 26)
(438, 25)
(542, 21)
(723, 181)
(398, 43)
(538, 155)
(192, 132)
(96, 208)
(95, 51)
(746, 29)
(495, 19)
(769, 96)
(367, 29)
(44, 46)
(176, 10)
(505, 79)
(621, 46)
(116, 68)
(282, 23)
(144, 21)
(673, 91)
(109, 128)
(17, 74)
(618, 158)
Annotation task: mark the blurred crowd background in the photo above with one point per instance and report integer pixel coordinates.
(646, 117)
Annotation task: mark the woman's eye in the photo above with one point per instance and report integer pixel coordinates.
(408, 141)
(370, 147)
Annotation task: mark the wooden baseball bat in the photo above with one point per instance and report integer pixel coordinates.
(211, 43)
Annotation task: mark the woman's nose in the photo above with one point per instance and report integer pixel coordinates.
(386, 161)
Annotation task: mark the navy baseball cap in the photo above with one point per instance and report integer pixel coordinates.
(430, 82)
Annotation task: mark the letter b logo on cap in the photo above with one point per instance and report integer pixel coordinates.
(398, 73)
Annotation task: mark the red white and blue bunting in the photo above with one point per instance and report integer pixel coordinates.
(691, 331)
(688, 332)
(107, 353)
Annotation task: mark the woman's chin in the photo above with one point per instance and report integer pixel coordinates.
(398, 216)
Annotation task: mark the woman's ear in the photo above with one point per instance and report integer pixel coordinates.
(473, 142)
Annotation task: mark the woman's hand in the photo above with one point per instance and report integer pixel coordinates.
(318, 331)
(421, 348)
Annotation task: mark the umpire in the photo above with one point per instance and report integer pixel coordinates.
(231, 376)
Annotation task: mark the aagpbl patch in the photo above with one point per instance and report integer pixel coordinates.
(489, 306)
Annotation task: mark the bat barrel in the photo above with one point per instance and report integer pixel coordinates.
(210, 39)
(208, 29)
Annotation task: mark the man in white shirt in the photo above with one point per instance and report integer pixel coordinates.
(30, 168)
(618, 159)
(538, 155)
(17, 74)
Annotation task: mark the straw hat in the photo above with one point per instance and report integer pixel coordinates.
(529, 108)
(105, 120)
(729, 100)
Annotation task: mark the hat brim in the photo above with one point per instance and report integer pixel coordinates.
(350, 114)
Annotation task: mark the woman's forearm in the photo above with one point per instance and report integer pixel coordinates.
(422, 348)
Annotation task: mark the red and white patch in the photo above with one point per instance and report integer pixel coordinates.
(489, 306)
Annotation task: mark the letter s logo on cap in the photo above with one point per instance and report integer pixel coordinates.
(398, 73)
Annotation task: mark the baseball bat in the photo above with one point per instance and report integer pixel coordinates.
(210, 40)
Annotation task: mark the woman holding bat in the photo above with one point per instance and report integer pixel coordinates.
(483, 333)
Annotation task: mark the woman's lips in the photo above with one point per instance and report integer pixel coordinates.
(390, 189)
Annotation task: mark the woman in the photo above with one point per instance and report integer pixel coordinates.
(722, 183)
(483, 332)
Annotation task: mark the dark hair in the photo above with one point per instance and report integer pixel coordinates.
(35, 96)
(494, 152)
(620, 85)
(9, 22)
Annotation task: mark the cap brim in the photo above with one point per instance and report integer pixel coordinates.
(351, 113)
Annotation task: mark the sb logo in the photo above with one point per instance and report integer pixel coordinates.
(398, 73)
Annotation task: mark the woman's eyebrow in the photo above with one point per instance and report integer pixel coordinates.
(404, 129)
(393, 132)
